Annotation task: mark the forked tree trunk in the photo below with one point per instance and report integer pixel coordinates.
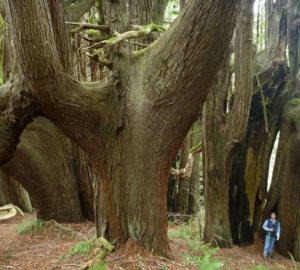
(224, 131)
(131, 117)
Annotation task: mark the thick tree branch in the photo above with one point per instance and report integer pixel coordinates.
(142, 32)
(179, 68)
(139, 32)
(82, 113)
(102, 61)
(85, 26)
(76, 10)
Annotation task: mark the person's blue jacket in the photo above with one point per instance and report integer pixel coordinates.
(268, 226)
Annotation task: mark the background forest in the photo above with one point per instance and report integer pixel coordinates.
(148, 134)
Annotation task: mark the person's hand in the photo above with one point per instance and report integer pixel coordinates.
(272, 230)
(277, 237)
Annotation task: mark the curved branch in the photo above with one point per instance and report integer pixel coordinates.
(85, 26)
(17, 109)
(179, 67)
(141, 32)
(82, 112)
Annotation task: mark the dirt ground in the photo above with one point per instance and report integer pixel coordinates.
(245, 257)
(45, 251)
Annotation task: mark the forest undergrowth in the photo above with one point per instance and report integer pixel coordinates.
(27, 243)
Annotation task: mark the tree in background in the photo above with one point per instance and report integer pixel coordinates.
(249, 178)
(224, 129)
(285, 196)
(12, 192)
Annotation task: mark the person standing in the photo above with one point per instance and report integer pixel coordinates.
(272, 233)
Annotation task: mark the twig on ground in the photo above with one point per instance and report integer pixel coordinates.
(115, 259)
(292, 257)
(172, 262)
(79, 234)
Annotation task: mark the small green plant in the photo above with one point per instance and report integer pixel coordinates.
(202, 256)
(31, 226)
(82, 248)
(96, 246)
(6, 256)
(178, 234)
(186, 231)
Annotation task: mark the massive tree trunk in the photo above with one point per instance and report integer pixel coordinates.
(289, 174)
(224, 131)
(12, 192)
(148, 95)
(42, 164)
(217, 229)
(287, 164)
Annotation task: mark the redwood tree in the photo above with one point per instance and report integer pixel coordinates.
(224, 131)
(287, 200)
(126, 124)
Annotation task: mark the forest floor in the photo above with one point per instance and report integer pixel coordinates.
(26, 244)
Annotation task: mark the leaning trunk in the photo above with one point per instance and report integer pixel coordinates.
(42, 165)
(224, 131)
